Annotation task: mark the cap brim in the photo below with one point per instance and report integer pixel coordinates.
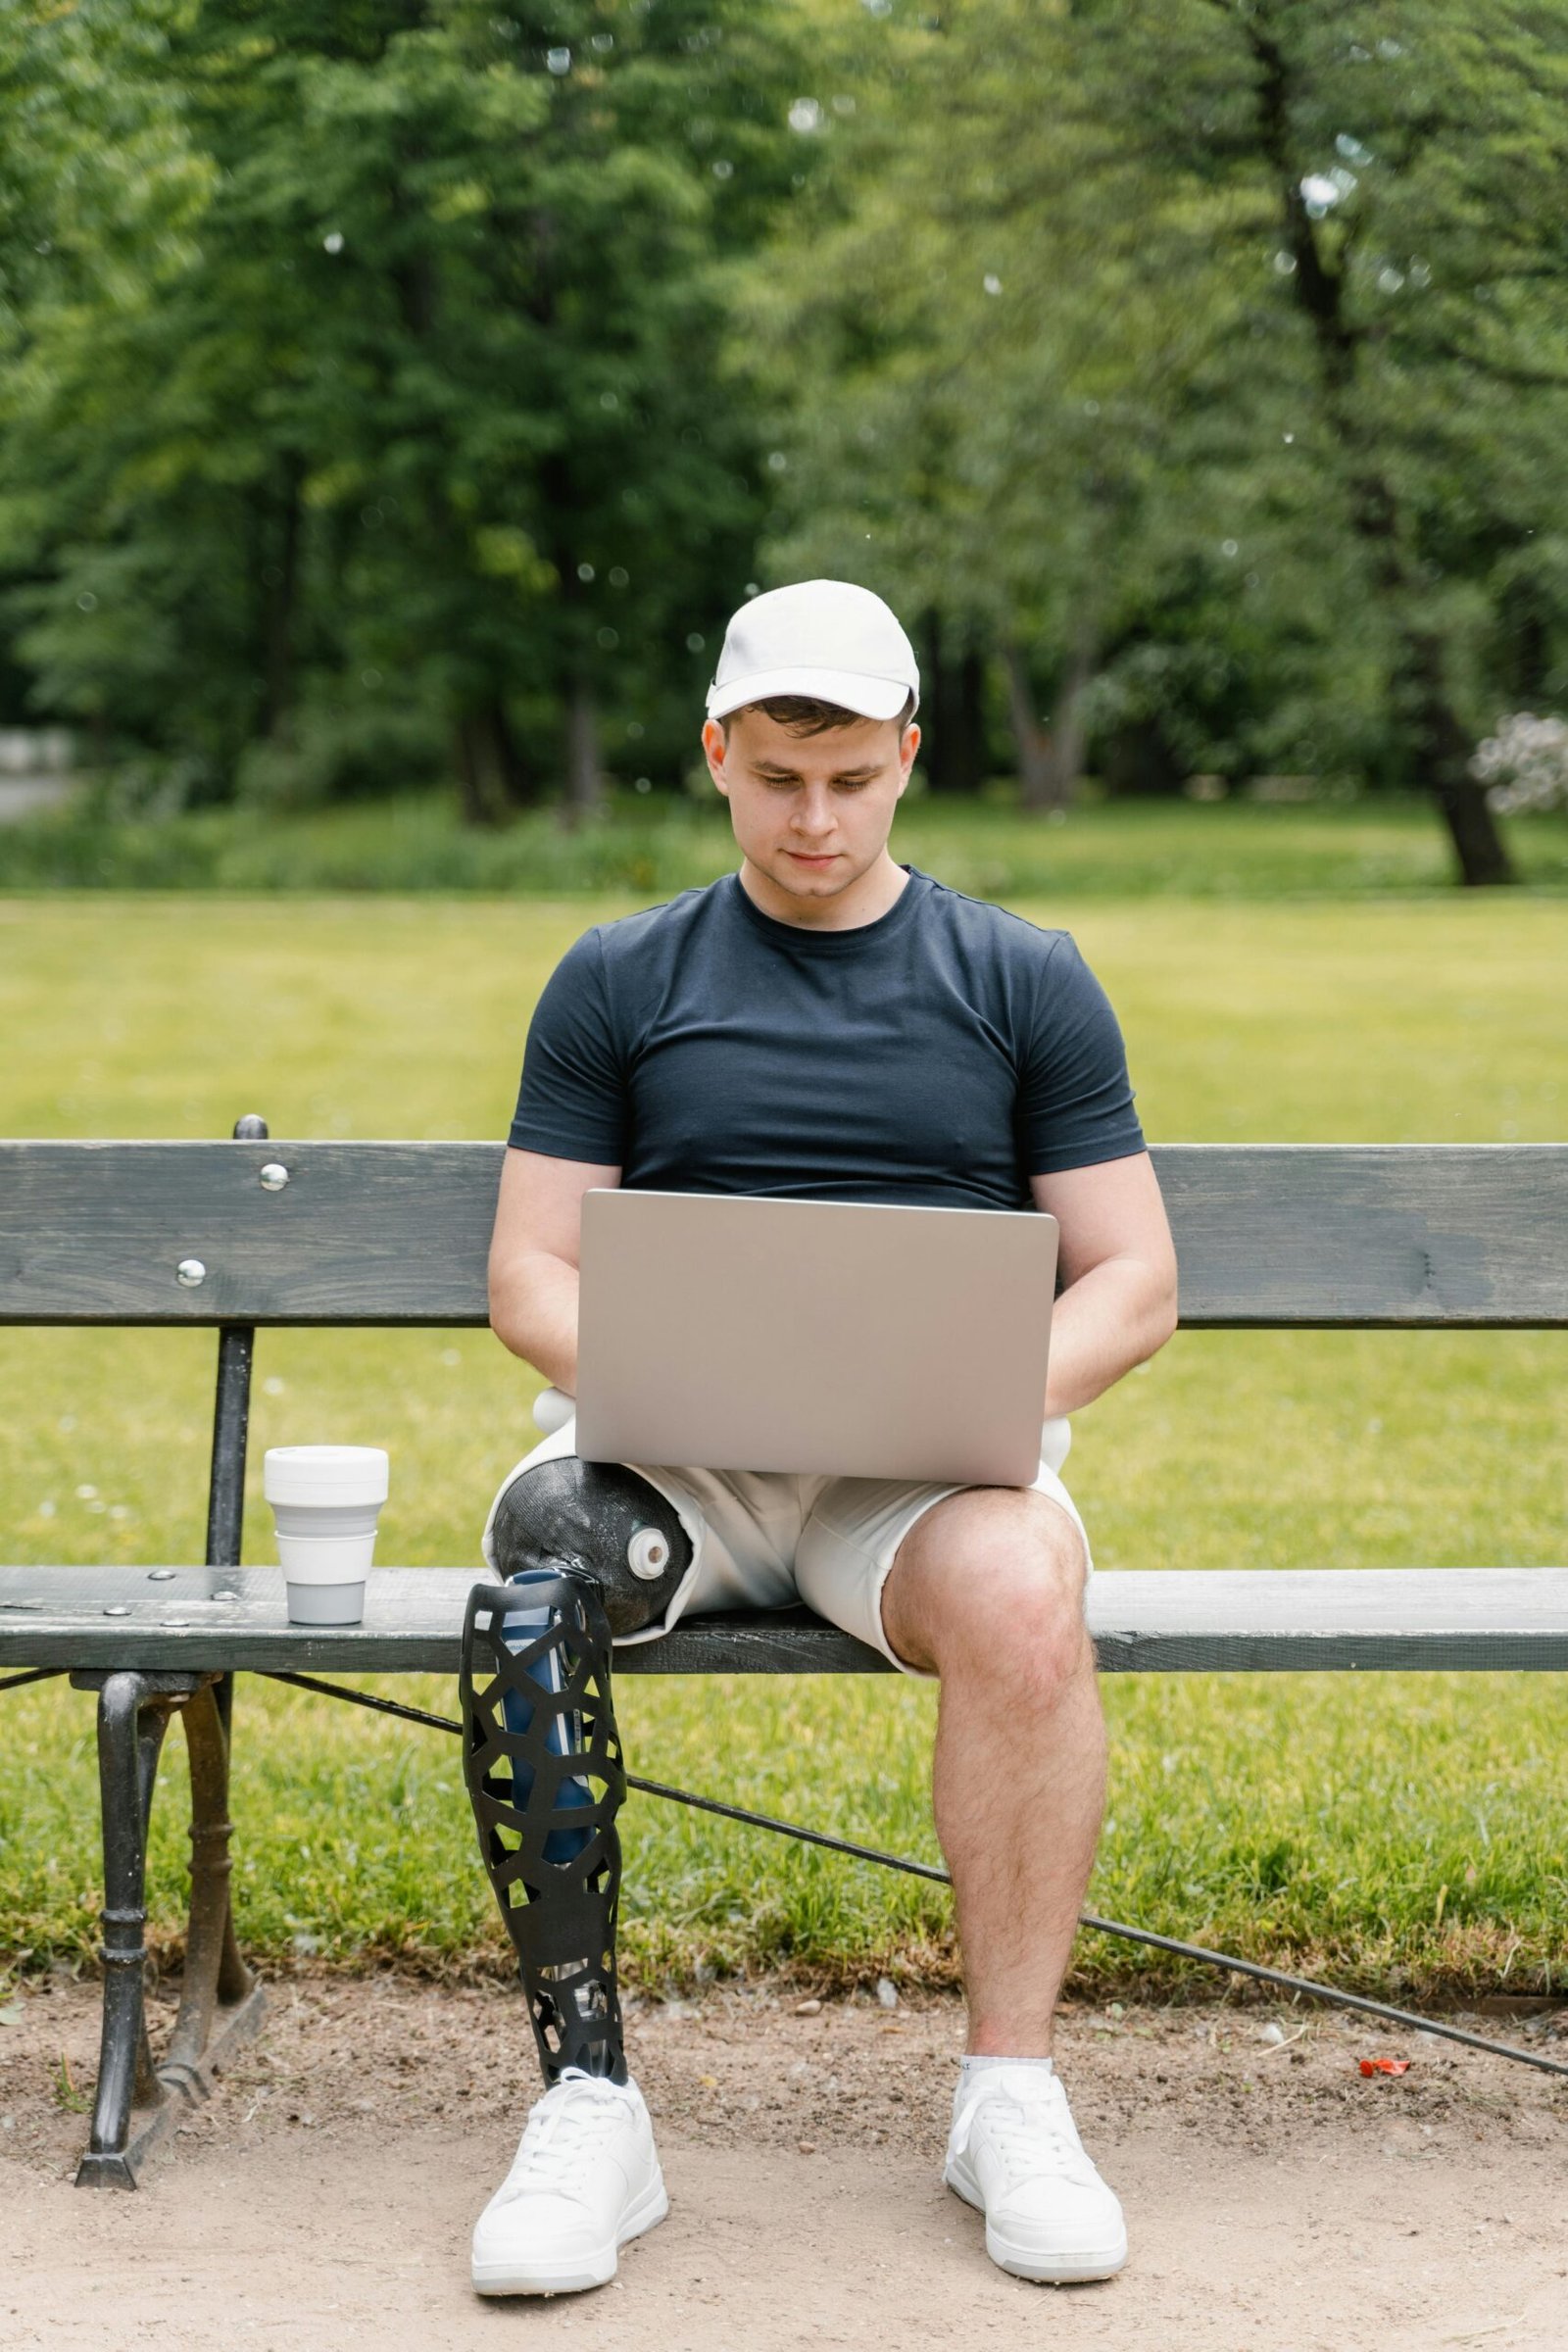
(868, 697)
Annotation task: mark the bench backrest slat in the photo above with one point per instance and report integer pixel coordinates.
(1403, 1236)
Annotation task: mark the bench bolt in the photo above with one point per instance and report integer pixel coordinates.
(189, 1272)
(274, 1177)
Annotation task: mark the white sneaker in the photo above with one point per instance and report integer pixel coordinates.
(1014, 2151)
(585, 2178)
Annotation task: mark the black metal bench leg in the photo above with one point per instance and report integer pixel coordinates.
(221, 2002)
(138, 2104)
(131, 1721)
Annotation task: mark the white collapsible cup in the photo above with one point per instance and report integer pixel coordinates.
(325, 1500)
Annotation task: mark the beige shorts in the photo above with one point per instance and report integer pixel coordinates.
(762, 1539)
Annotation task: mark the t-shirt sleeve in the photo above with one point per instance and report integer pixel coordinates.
(571, 1103)
(1076, 1104)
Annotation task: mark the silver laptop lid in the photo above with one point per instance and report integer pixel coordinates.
(724, 1332)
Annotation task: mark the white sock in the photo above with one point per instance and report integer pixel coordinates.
(969, 2067)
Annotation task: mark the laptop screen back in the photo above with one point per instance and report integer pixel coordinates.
(728, 1332)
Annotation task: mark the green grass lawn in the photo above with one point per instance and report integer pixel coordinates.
(1404, 1830)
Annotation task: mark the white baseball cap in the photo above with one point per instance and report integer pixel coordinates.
(826, 639)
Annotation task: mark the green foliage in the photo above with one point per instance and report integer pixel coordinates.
(1222, 345)
(657, 845)
(408, 386)
(335, 753)
(369, 370)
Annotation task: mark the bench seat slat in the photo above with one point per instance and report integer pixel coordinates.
(1398, 1236)
(1143, 1621)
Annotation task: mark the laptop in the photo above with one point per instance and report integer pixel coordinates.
(829, 1338)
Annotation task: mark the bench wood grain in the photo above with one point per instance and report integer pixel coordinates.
(1143, 1621)
(1399, 1235)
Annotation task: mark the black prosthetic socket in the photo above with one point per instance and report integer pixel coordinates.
(597, 1520)
(542, 1760)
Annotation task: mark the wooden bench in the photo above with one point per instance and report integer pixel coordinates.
(250, 1232)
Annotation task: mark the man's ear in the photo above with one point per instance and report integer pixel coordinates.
(909, 746)
(715, 748)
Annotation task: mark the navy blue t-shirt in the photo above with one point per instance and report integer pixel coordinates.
(941, 1056)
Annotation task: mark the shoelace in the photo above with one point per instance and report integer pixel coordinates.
(564, 2133)
(1027, 2134)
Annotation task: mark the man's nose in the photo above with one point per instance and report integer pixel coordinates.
(816, 815)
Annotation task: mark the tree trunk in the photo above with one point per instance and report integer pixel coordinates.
(278, 692)
(967, 702)
(953, 754)
(585, 775)
(1031, 742)
(479, 784)
(493, 777)
(1478, 846)
(1443, 749)
(1418, 690)
(1067, 716)
(516, 772)
(1527, 651)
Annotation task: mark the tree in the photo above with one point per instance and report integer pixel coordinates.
(1086, 280)
(412, 416)
(1417, 259)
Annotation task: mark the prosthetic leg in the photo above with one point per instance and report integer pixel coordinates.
(589, 1550)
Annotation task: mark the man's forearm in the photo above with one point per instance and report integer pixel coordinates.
(1115, 1316)
(533, 1312)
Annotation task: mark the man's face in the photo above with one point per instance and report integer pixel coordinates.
(812, 812)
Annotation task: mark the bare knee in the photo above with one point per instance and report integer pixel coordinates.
(994, 1592)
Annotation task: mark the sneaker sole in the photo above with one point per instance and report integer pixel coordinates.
(1023, 2262)
(586, 2270)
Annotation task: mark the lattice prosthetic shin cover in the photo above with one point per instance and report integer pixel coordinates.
(590, 1549)
(542, 1757)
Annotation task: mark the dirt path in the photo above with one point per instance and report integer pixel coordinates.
(1277, 2200)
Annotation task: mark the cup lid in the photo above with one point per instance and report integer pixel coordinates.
(325, 1474)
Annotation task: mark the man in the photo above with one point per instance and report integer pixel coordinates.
(827, 1023)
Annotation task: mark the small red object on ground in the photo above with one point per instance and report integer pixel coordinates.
(1385, 2066)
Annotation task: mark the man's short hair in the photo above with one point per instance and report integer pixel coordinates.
(804, 715)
